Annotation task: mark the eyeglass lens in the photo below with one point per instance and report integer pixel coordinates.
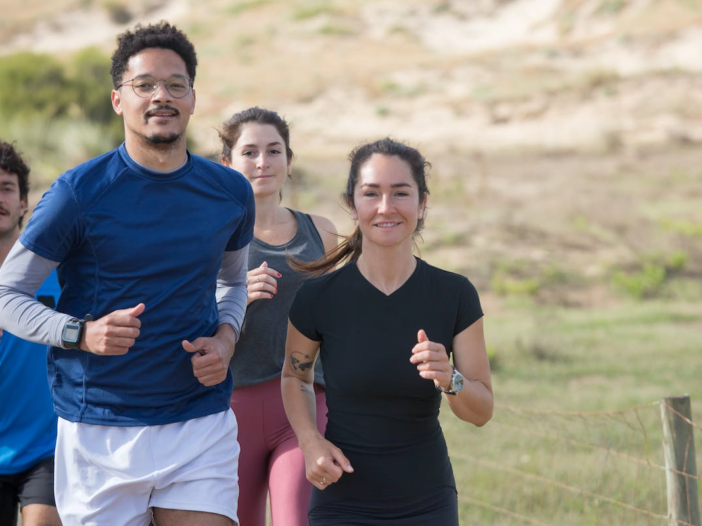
(177, 85)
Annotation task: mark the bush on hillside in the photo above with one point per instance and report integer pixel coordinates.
(33, 85)
(37, 86)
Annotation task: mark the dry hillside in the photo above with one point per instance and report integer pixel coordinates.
(563, 133)
(468, 75)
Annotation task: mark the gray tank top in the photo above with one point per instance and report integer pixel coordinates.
(260, 352)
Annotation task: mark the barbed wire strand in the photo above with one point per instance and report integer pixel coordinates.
(585, 445)
(566, 487)
(575, 413)
(610, 451)
(683, 417)
(583, 414)
(504, 511)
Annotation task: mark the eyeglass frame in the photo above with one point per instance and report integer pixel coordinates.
(165, 85)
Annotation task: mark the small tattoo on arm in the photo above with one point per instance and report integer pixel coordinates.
(307, 389)
(300, 362)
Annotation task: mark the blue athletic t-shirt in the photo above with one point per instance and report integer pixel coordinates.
(27, 417)
(125, 235)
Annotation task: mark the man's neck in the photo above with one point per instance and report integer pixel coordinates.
(160, 158)
(7, 241)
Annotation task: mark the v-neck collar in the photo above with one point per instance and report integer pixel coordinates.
(398, 289)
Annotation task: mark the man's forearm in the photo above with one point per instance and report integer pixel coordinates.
(21, 275)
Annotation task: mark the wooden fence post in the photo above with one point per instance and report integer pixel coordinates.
(681, 467)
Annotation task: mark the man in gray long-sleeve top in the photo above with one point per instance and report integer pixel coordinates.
(150, 245)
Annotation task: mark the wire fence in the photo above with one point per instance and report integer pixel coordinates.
(530, 466)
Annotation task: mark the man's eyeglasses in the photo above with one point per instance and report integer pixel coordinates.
(145, 85)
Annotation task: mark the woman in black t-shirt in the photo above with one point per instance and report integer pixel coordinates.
(384, 325)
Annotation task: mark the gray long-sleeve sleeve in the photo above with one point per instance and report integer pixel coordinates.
(24, 271)
(21, 275)
(231, 288)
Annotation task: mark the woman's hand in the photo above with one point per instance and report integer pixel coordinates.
(324, 462)
(432, 361)
(262, 283)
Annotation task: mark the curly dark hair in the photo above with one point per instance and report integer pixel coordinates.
(162, 35)
(11, 162)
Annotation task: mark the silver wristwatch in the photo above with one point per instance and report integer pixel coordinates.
(456, 384)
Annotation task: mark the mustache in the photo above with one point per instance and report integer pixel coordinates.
(162, 107)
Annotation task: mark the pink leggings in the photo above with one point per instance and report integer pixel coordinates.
(270, 458)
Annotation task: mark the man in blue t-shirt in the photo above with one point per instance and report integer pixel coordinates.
(27, 423)
(150, 243)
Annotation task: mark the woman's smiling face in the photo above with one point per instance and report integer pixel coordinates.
(386, 201)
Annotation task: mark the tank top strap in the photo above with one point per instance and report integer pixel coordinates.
(306, 229)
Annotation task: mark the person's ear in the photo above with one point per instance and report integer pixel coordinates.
(116, 98)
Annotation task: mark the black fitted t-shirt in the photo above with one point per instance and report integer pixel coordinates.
(381, 413)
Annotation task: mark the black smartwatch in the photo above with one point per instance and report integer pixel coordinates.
(72, 333)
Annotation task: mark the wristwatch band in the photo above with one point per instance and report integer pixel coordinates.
(72, 333)
(456, 384)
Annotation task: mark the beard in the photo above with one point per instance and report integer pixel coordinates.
(161, 142)
(163, 138)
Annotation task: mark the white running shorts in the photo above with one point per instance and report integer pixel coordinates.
(110, 475)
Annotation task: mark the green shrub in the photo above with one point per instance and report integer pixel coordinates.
(33, 84)
(335, 30)
(61, 113)
(240, 7)
(92, 85)
(505, 285)
(314, 10)
(611, 6)
(677, 261)
(683, 227)
(644, 283)
(118, 12)
(656, 271)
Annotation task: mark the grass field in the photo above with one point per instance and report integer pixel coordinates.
(585, 244)
(574, 352)
(579, 361)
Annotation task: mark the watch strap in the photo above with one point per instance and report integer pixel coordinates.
(452, 388)
(72, 333)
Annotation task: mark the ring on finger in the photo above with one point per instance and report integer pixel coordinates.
(258, 279)
(323, 481)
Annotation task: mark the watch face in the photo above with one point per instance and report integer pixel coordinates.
(457, 381)
(71, 333)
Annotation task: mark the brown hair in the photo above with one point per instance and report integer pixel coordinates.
(231, 129)
(350, 248)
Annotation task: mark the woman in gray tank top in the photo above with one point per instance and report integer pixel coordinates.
(256, 142)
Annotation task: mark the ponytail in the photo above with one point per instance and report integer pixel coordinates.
(348, 250)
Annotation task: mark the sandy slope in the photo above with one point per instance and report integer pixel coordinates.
(479, 75)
